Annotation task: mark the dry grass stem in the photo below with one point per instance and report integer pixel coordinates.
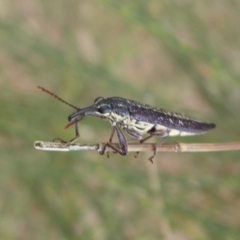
(137, 147)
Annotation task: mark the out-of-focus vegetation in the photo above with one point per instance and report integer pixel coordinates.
(178, 55)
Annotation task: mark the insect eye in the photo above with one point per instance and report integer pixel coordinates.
(103, 109)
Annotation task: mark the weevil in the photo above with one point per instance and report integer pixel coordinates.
(140, 121)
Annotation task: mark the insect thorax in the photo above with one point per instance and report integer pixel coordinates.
(126, 122)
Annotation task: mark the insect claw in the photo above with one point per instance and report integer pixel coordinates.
(102, 152)
(154, 153)
(151, 159)
(59, 140)
(136, 154)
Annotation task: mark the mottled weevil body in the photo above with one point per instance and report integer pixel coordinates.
(141, 121)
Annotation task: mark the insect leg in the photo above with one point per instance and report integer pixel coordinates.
(164, 137)
(110, 139)
(163, 133)
(76, 133)
(112, 134)
(143, 140)
(123, 147)
(73, 139)
(134, 134)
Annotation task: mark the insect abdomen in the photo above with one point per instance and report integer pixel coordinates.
(171, 120)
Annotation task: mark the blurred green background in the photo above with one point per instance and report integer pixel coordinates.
(182, 56)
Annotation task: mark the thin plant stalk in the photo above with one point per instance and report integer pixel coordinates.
(137, 147)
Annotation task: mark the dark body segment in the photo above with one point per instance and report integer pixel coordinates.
(156, 116)
(170, 120)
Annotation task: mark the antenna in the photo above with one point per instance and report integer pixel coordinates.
(57, 97)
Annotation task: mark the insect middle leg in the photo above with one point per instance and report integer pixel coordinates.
(136, 135)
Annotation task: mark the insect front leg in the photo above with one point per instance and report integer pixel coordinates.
(77, 135)
(123, 146)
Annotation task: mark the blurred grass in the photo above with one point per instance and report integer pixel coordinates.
(182, 56)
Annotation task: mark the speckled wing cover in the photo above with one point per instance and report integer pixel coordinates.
(171, 120)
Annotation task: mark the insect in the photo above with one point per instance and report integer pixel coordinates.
(140, 121)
